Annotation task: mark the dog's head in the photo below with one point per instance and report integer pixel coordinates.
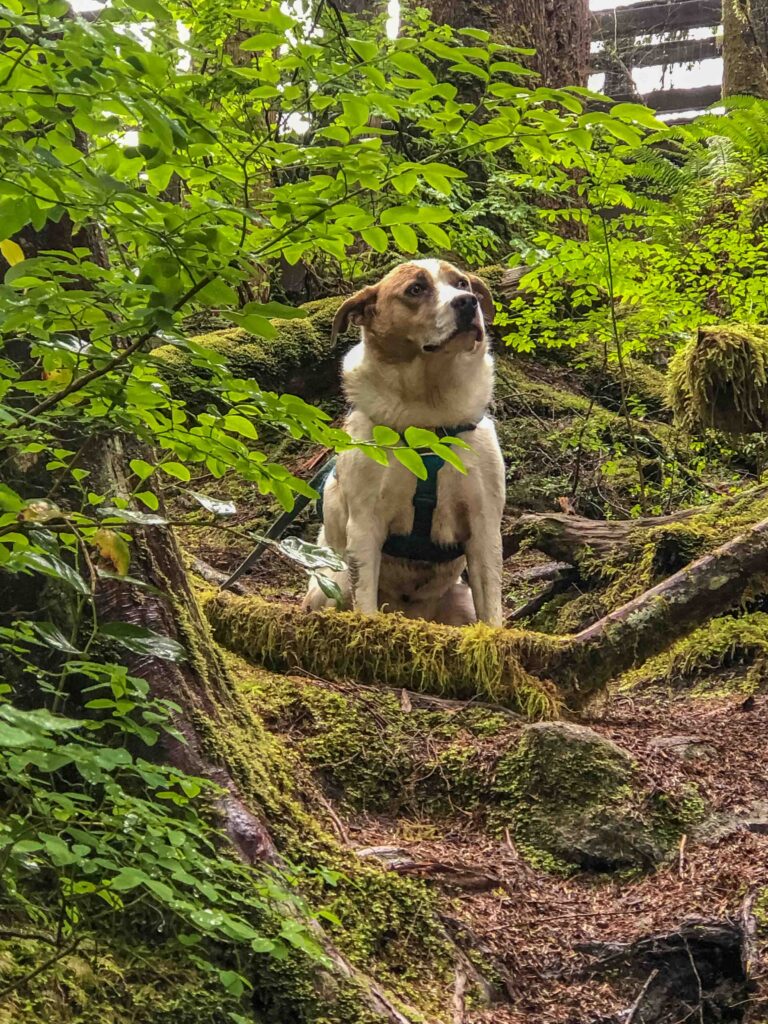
(421, 308)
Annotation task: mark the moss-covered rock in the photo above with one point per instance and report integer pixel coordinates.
(573, 799)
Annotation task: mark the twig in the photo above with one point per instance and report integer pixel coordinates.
(21, 933)
(635, 1008)
(681, 859)
(337, 822)
(698, 981)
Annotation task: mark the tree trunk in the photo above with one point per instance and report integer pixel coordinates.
(745, 48)
(559, 30)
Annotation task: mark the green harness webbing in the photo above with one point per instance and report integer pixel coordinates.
(417, 545)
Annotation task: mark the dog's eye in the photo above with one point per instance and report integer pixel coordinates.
(463, 283)
(414, 289)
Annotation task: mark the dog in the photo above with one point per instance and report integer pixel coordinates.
(422, 361)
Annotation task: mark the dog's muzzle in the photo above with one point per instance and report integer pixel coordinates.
(465, 306)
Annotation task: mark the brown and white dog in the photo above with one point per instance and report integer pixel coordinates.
(423, 361)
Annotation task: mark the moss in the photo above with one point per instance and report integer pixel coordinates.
(589, 372)
(727, 655)
(573, 801)
(299, 344)
(110, 981)
(370, 754)
(454, 662)
(367, 905)
(720, 380)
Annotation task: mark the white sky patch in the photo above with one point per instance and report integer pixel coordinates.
(393, 19)
(674, 76)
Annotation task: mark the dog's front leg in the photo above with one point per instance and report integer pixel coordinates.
(363, 556)
(483, 550)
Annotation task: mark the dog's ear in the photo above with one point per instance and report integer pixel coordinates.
(483, 292)
(355, 310)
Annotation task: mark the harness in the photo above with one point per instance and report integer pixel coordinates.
(417, 545)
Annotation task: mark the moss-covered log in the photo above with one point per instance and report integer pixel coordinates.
(511, 667)
(446, 660)
(719, 380)
(566, 537)
(646, 625)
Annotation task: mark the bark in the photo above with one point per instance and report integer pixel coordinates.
(745, 48)
(559, 30)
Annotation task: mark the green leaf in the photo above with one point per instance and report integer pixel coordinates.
(376, 238)
(405, 237)
(142, 640)
(240, 425)
(149, 499)
(364, 48)
(411, 64)
(177, 470)
(385, 436)
(412, 461)
(54, 637)
(127, 879)
(48, 565)
(277, 310)
(640, 114)
(450, 457)
(141, 468)
(253, 323)
(417, 437)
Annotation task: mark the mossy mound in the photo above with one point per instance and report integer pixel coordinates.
(719, 380)
(570, 798)
(288, 362)
(447, 660)
(574, 802)
(373, 754)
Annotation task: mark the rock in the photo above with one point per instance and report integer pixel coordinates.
(684, 748)
(575, 802)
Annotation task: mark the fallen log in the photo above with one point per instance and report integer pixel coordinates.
(564, 537)
(531, 673)
(643, 627)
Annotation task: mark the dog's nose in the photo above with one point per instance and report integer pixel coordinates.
(464, 302)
